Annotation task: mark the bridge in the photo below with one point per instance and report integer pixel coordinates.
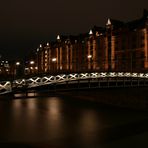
(77, 80)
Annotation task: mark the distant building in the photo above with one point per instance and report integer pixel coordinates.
(4, 67)
(118, 46)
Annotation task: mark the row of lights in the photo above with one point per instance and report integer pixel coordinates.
(89, 57)
(53, 60)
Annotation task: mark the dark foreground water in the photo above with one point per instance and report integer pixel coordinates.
(63, 122)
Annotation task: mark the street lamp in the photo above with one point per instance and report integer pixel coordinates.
(89, 61)
(17, 69)
(31, 62)
(89, 56)
(54, 59)
(17, 63)
(32, 66)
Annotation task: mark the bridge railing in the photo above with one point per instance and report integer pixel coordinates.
(7, 86)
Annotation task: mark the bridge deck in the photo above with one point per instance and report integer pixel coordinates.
(78, 80)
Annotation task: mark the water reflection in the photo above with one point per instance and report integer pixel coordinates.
(54, 118)
(56, 121)
(35, 119)
(54, 107)
(17, 104)
(88, 122)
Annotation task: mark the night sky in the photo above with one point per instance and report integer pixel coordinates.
(26, 24)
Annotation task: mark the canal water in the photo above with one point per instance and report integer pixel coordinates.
(57, 121)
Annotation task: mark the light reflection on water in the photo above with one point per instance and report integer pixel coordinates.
(34, 119)
(52, 119)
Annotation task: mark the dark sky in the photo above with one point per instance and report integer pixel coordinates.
(24, 24)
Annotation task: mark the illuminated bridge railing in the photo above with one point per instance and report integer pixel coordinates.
(6, 87)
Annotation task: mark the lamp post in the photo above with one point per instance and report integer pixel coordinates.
(54, 62)
(17, 63)
(16, 69)
(31, 62)
(37, 59)
(32, 66)
(89, 61)
(89, 56)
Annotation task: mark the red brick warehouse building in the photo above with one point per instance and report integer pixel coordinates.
(118, 46)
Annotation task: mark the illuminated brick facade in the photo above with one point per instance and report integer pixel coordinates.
(118, 46)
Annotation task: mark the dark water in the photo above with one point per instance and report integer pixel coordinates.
(56, 122)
